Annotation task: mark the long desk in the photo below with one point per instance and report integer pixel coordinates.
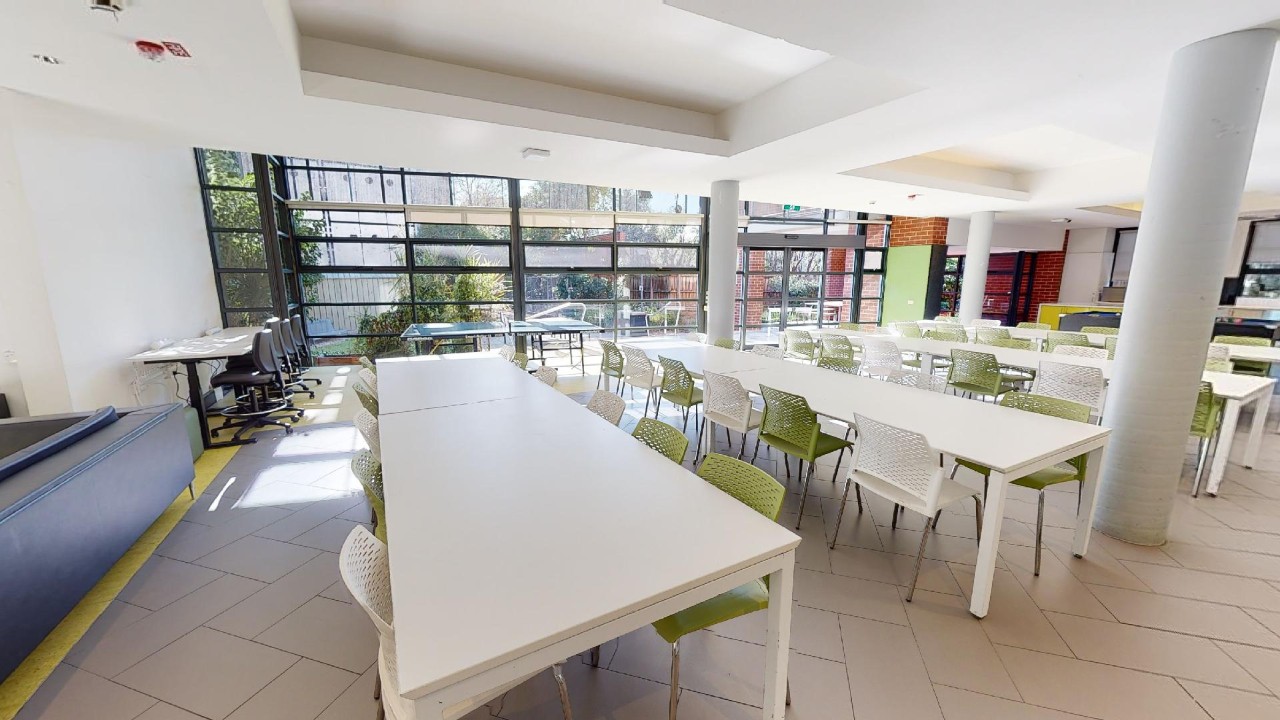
(226, 343)
(511, 548)
(696, 357)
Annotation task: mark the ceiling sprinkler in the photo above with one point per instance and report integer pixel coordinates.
(115, 7)
(152, 51)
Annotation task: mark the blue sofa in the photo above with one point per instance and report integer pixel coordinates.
(76, 491)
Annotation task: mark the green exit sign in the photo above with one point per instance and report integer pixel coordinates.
(786, 208)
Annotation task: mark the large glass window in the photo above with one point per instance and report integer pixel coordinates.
(805, 287)
(1260, 276)
(237, 237)
(1126, 240)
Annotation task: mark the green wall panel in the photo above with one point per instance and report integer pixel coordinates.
(906, 283)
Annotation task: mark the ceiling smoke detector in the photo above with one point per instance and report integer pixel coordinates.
(115, 7)
(535, 154)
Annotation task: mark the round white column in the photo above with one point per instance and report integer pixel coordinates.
(722, 258)
(977, 255)
(1203, 144)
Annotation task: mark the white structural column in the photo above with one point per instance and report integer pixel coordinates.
(1202, 150)
(722, 255)
(977, 255)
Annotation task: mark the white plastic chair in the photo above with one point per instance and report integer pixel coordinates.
(546, 374)
(695, 337)
(1077, 383)
(901, 467)
(367, 424)
(607, 405)
(917, 379)
(640, 372)
(727, 404)
(880, 358)
(1219, 359)
(985, 323)
(769, 351)
(507, 353)
(947, 319)
(364, 569)
(1081, 351)
(370, 378)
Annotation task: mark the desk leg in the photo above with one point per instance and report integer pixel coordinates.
(1230, 418)
(777, 642)
(1088, 500)
(926, 363)
(1260, 408)
(989, 546)
(195, 397)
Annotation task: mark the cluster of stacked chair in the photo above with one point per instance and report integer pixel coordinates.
(262, 384)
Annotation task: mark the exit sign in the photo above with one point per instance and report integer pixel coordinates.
(786, 208)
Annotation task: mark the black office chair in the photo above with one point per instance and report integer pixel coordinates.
(301, 350)
(259, 393)
(284, 349)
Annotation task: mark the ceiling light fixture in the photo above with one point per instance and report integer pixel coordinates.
(1061, 220)
(535, 154)
(47, 59)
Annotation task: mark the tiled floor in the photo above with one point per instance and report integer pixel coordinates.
(241, 615)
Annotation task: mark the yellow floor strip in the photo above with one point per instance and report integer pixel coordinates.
(27, 678)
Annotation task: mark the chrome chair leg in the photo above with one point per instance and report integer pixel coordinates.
(786, 462)
(595, 656)
(755, 454)
(835, 473)
(804, 495)
(742, 449)
(675, 680)
(377, 686)
(928, 526)
(697, 451)
(1039, 530)
(1201, 456)
(894, 524)
(977, 518)
(685, 427)
(728, 439)
(191, 488)
(843, 501)
(557, 671)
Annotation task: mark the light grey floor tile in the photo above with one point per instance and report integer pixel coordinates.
(165, 711)
(329, 535)
(189, 541)
(1229, 539)
(1101, 691)
(1056, 588)
(258, 558)
(1213, 587)
(1227, 704)
(312, 515)
(327, 631)
(596, 694)
(1013, 618)
(160, 581)
(117, 615)
(1192, 617)
(338, 591)
(709, 663)
(887, 677)
(1262, 664)
(301, 693)
(819, 691)
(945, 631)
(892, 568)
(1230, 562)
(812, 553)
(356, 702)
(121, 649)
(813, 632)
(1097, 567)
(1155, 651)
(207, 672)
(73, 694)
(256, 613)
(964, 705)
(849, 596)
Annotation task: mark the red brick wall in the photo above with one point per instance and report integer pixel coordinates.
(1048, 276)
(918, 231)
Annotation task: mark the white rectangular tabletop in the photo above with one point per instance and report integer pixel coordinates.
(1261, 353)
(697, 356)
(432, 381)
(227, 342)
(517, 523)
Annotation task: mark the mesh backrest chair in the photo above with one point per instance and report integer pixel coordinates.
(728, 405)
(976, 374)
(678, 388)
(506, 352)
(839, 364)
(370, 379)
(612, 365)
(662, 438)
(986, 335)
(1034, 325)
(1099, 330)
(727, 344)
(790, 426)
(1057, 338)
(800, 344)
(1219, 359)
(1096, 353)
(871, 328)
(368, 364)
(640, 372)
(880, 357)
(951, 319)
(985, 323)
(367, 423)
(1011, 342)
(1247, 367)
(368, 471)
(769, 351)
(695, 337)
(901, 467)
(607, 405)
(258, 388)
(948, 333)
(365, 570)
(1065, 381)
(908, 329)
(1205, 424)
(838, 347)
(367, 396)
(1110, 344)
(918, 379)
(546, 374)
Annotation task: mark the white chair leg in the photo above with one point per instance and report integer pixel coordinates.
(557, 671)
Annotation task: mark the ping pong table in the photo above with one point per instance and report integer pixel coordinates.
(536, 331)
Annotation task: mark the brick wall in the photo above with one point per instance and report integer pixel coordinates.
(918, 231)
(1048, 276)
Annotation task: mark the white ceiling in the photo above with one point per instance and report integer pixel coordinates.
(1034, 110)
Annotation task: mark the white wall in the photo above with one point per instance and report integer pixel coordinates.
(1087, 265)
(121, 245)
(1007, 235)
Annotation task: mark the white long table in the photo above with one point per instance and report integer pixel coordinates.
(696, 357)
(1013, 443)
(524, 530)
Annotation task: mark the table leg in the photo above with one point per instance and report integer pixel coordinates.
(926, 363)
(989, 546)
(1260, 408)
(1088, 500)
(196, 398)
(778, 639)
(1230, 417)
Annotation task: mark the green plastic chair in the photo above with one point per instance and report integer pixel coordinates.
(662, 437)
(1219, 359)
(368, 471)
(1110, 344)
(1057, 338)
(1034, 325)
(612, 364)
(1009, 373)
(754, 488)
(1099, 330)
(368, 364)
(984, 335)
(1247, 367)
(800, 344)
(1015, 343)
(946, 333)
(977, 373)
(837, 347)
(365, 394)
(521, 361)
(1068, 471)
(1205, 424)
(839, 364)
(908, 329)
(790, 426)
(728, 344)
(678, 387)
